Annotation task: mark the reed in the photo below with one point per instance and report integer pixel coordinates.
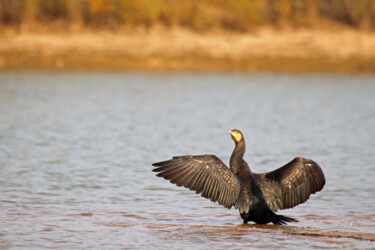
(199, 15)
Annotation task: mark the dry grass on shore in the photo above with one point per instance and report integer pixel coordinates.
(266, 49)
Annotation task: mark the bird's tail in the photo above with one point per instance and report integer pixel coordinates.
(281, 220)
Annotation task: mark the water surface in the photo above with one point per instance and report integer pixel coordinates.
(76, 151)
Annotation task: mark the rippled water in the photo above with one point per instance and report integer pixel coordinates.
(76, 151)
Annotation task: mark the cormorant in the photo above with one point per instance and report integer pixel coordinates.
(257, 196)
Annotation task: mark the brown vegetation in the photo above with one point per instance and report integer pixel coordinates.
(239, 15)
(258, 35)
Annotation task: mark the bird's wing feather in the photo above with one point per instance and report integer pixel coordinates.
(205, 174)
(292, 184)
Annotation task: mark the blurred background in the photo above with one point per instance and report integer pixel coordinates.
(288, 35)
(197, 15)
(92, 92)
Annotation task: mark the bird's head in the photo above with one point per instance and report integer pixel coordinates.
(236, 135)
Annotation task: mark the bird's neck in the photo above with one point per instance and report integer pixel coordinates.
(236, 160)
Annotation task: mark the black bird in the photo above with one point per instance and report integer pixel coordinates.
(257, 196)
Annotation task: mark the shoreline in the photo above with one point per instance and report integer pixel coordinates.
(265, 50)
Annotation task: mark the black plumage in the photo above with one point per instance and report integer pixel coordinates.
(257, 196)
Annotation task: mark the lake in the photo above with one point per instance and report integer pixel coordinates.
(76, 150)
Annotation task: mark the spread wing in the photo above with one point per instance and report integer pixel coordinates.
(292, 184)
(205, 174)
